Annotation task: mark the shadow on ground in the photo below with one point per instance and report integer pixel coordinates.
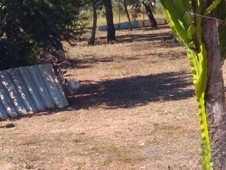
(132, 36)
(127, 92)
(141, 37)
(133, 91)
(89, 61)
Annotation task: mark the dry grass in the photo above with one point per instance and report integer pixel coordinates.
(135, 110)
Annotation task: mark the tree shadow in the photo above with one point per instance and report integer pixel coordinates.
(131, 36)
(133, 91)
(171, 55)
(91, 60)
(141, 37)
(88, 62)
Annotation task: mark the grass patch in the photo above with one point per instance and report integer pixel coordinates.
(120, 153)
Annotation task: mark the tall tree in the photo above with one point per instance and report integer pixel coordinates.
(93, 35)
(127, 14)
(110, 21)
(147, 5)
(201, 34)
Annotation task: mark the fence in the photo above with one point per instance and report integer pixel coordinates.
(134, 24)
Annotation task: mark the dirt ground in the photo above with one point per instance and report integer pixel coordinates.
(135, 110)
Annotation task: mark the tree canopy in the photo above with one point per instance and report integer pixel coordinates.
(28, 27)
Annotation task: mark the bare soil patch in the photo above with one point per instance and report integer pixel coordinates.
(135, 110)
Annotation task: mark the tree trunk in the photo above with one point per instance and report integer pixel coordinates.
(93, 35)
(110, 22)
(215, 99)
(127, 14)
(150, 15)
(119, 16)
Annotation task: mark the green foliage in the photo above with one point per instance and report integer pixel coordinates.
(117, 7)
(221, 14)
(213, 6)
(188, 30)
(136, 9)
(30, 24)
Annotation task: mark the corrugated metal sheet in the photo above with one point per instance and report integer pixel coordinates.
(28, 90)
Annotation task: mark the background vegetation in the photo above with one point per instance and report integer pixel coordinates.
(30, 29)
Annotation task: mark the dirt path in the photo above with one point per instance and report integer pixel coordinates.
(135, 110)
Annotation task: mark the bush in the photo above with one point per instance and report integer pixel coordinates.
(27, 28)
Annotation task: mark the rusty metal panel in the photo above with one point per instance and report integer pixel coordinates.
(28, 90)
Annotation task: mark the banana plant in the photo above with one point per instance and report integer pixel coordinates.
(185, 19)
(221, 14)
